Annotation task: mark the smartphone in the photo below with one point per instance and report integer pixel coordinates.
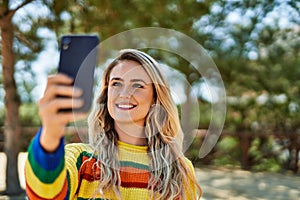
(78, 58)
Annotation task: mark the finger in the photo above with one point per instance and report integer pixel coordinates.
(60, 79)
(54, 91)
(67, 117)
(77, 116)
(65, 103)
(52, 107)
(61, 90)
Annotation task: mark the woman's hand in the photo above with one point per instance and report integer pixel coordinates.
(53, 121)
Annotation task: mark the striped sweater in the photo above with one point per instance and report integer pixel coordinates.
(70, 172)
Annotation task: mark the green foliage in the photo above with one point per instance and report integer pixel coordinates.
(258, 61)
(264, 156)
(270, 164)
(205, 114)
(111, 17)
(227, 150)
(193, 151)
(29, 115)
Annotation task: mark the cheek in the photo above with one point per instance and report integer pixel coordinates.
(146, 98)
(111, 94)
(110, 104)
(149, 96)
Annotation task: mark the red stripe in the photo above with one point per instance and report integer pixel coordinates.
(133, 170)
(134, 185)
(139, 180)
(133, 177)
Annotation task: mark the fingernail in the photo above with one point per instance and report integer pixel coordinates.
(78, 91)
(79, 102)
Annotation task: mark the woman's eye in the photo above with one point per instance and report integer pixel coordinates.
(116, 84)
(137, 85)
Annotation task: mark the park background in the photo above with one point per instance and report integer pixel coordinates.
(254, 44)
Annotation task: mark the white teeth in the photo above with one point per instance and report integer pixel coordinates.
(125, 106)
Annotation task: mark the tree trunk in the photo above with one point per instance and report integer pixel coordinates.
(245, 143)
(12, 128)
(294, 152)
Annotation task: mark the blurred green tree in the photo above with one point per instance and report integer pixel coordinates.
(20, 43)
(255, 44)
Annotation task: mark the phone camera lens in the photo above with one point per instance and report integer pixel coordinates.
(66, 43)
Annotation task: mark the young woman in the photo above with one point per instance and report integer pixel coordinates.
(134, 149)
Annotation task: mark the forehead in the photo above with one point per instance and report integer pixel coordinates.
(128, 69)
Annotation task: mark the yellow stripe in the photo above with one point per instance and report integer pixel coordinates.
(48, 191)
(89, 190)
(72, 152)
(141, 158)
(132, 147)
(135, 193)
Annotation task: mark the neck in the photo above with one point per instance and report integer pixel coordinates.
(131, 134)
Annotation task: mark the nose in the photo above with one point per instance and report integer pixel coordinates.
(125, 92)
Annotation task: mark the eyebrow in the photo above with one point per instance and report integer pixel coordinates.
(132, 80)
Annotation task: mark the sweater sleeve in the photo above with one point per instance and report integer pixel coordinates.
(45, 173)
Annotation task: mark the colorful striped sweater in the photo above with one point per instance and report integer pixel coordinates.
(67, 173)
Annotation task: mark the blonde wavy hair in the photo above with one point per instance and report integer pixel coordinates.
(169, 169)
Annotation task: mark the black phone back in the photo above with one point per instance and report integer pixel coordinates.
(78, 58)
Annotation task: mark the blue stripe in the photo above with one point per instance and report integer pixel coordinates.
(48, 161)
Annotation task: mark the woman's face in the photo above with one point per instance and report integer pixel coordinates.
(130, 93)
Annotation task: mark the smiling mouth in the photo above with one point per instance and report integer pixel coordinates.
(125, 106)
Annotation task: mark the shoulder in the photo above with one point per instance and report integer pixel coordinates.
(189, 164)
(78, 147)
(77, 153)
(192, 186)
(77, 150)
